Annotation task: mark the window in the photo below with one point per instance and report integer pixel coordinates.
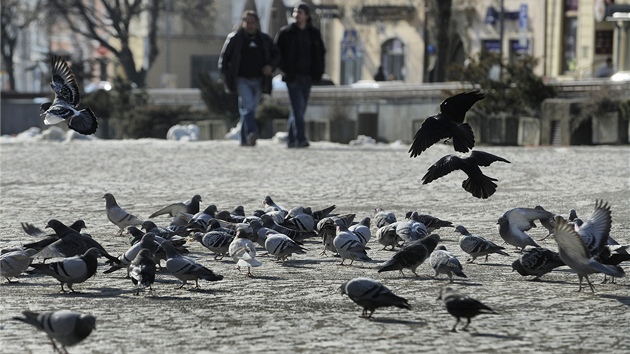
(393, 59)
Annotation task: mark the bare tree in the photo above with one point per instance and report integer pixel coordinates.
(109, 23)
(16, 16)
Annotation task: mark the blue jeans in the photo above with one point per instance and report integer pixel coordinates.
(249, 91)
(299, 90)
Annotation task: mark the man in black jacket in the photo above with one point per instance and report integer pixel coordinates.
(302, 51)
(247, 62)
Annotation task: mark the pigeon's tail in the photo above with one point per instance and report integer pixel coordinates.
(463, 138)
(481, 186)
(85, 122)
(499, 251)
(211, 276)
(612, 270)
(459, 273)
(320, 214)
(392, 264)
(114, 268)
(30, 318)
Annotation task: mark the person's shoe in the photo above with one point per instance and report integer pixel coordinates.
(291, 144)
(303, 144)
(251, 139)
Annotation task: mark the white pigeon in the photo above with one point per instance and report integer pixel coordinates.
(362, 230)
(119, 216)
(71, 270)
(514, 222)
(349, 246)
(243, 252)
(185, 268)
(370, 294)
(574, 253)
(282, 246)
(444, 262)
(66, 327)
(12, 264)
(67, 98)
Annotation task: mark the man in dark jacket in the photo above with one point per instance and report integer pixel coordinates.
(247, 62)
(302, 51)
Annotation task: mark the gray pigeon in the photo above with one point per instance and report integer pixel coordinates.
(327, 229)
(216, 241)
(412, 255)
(430, 222)
(72, 270)
(477, 246)
(537, 261)
(66, 327)
(546, 222)
(185, 268)
(514, 222)
(595, 231)
(349, 246)
(119, 216)
(382, 217)
(190, 206)
(362, 230)
(387, 236)
(67, 99)
(12, 264)
(125, 259)
(574, 253)
(370, 294)
(411, 230)
(460, 305)
(444, 262)
(282, 246)
(200, 221)
(142, 270)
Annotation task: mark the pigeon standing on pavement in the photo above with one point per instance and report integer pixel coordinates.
(119, 216)
(370, 294)
(412, 255)
(514, 222)
(477, 246)
(411, 230)
(190, 206)
(387, 236)
(362, 230)
(185, 268)
(146, 242)
(282, 246)
(382, 217)
(477, 184)
(66, 327)
(537, 261)
(12, 264)
(574, 254)
(72, 270)
(142, 270)
(349, 246)
(444, 262)
(216, 241)
(462, 306)
(67, 99)
(448, 123)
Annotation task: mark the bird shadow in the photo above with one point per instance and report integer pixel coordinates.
(387, 320)
(492, 335)
(623, 299)
(267, 277)
(19, 283)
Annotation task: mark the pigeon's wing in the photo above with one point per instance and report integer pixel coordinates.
(523, 218)
(85, 122)
(63, 82)
(171, 210)
(455, 107)
(431, 131)
(595, 230)
(32, 229)
(569, 242)
(442, 167)
(482, 158)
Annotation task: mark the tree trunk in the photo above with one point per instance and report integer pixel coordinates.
(443, 34)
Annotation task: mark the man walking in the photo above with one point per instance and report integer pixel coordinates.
(247, 62)
(302, 51)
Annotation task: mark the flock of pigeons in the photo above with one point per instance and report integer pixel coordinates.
(584, 246)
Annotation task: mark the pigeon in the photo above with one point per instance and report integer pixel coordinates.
(33, 230)
(190, 207)
(477, 184)
(12, 264)
(595, 231)
(147, 242)
(269, 205)
(386, 236)
(142, 270)
(349, 246)
(430, 222)
(460, 305)
(119, 216)
(327, 230)
(411, 230)
(45, 241)
(382, 217)
(362, 230)
(514, 222)
(200, 221)
(537, 261)
(546, 222)
(68, 328)
(282, 246)
(216, 241)
(370, 294)
(448, 123)
(477, 246)
(72, 270)
(67, 98)
(444, 262)
(412, 255)
(71, 243)
(243, 252)
(574, 254)
(297, 235)
(185, 268)
(297, 219)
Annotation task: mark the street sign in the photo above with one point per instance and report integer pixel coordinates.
(349, 44)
